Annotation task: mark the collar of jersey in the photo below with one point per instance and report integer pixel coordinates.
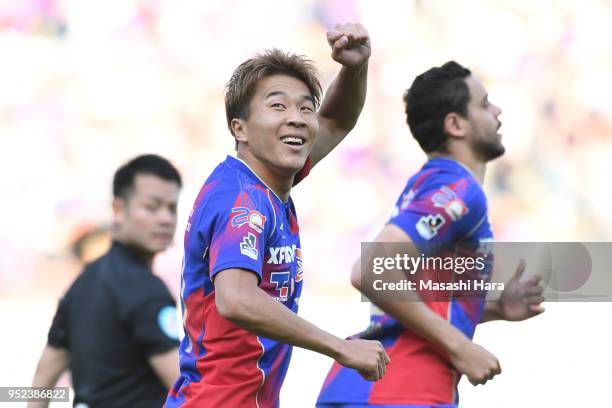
(452, 162)
(128, 252)
(249, 170)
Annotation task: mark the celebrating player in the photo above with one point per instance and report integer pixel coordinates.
(243, 273)
(429, 342)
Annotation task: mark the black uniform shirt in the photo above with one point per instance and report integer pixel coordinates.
(112, 319)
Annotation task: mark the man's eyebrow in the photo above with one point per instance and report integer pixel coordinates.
(153, 197)
(309, 98)
(275, 93)
(282, 93)
(157, 200)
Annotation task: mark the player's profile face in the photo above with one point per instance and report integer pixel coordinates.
(484, 122)
(147, 219)
(282, 124)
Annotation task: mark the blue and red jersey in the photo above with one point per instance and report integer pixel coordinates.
(237, 222)
(442, 203)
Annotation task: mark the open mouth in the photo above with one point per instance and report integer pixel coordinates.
(293, 140)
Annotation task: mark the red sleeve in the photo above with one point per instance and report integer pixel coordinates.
(301, 175)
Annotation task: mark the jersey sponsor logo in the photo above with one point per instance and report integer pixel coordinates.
(281, 280)
(300, 267)
(248, 246)
(243, 215)
(453, 205)
(167, 321)
(429, 225)
(282, 255)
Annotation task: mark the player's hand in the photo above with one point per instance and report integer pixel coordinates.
(521, 300)
(368, 357)
(350, 44)
(476, 362)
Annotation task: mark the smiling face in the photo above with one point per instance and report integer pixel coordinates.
(483, 123)
(281, 126)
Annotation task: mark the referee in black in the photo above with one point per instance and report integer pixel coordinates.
(116, 326)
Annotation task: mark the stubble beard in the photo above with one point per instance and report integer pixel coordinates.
(489, 148)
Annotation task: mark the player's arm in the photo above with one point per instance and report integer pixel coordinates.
(345, 96)
(520, 300)
(166, 366)
(52, 363)
(478, 364)
(241, 301)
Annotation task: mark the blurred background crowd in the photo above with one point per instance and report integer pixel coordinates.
(85, 86)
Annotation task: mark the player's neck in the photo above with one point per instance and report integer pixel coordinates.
(277, 182)
(469, 161)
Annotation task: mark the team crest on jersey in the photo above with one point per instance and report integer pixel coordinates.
(243, 215)
(248, 246)
(453, 205)
(429, 225)
(281, 282)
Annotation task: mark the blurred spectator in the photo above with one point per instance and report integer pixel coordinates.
(91, 243)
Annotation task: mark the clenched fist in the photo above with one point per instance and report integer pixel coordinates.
(350, 44)
(368, 357)
(476, 362)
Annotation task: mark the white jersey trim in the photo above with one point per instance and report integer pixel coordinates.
(263, 374)
(259, 178)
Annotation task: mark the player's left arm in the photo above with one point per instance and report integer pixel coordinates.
(52, 363)
(346, 95)
(520, 300)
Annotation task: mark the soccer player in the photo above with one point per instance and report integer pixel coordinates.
(429, 341)
(243, 272)
(116, 326)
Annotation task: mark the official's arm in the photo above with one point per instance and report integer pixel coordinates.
(52, 363)
(166, 366)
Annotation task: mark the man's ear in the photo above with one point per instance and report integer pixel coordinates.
(455, 125)
(237, 126)
(119, 209)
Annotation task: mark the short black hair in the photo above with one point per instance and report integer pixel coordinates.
(433, 95)
(123, 181)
